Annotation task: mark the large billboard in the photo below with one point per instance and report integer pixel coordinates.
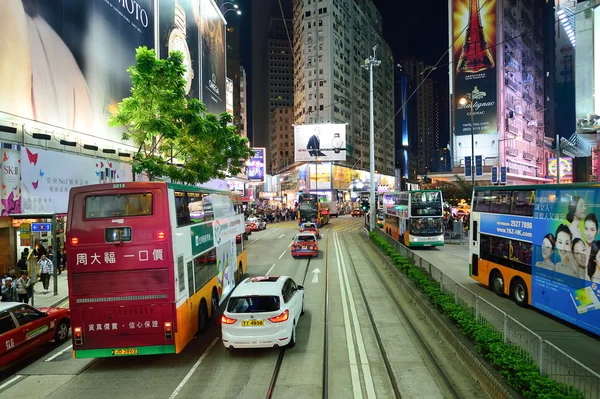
(474, 71)
(256, 166)
(325, 142)
(212, 37)
(320, 176)
(179, 23)
(66, 61)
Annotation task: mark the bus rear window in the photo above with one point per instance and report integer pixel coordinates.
(109, 206)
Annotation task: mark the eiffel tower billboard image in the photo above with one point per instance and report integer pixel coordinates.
(474, 70)
(476, 55)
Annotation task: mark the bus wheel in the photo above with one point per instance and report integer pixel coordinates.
(497, 283)
(202, 317)
(519, 292)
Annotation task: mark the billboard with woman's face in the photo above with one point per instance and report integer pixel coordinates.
(566, 259)
(66, 61)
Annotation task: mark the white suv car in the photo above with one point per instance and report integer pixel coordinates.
(263, 312)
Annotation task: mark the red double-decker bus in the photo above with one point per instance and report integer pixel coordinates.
(149, 263)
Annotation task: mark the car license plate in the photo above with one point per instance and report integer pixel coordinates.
(303, 247)
(128, 351)
(252, 323)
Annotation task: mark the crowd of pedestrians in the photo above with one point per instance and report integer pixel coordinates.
(19, 288)
(272, 214)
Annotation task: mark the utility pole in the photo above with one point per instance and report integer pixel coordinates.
(369, 64)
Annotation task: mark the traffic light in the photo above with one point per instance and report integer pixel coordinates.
(364, 205)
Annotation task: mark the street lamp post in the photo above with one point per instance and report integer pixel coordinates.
(468, 99)
(369, 64)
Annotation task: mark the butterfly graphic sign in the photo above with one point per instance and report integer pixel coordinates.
(48, 176)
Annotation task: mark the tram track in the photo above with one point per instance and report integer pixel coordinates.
(405, 321)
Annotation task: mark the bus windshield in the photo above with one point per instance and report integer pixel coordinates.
(426, 203)
(426, 226)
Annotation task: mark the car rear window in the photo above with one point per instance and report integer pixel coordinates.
(253, 304)
(305, 238)
(109, 206)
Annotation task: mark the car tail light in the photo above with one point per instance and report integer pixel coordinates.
(77, 336)
(74, 240)
(161, 235)
(168, 330)
(281, 318)
(227, 320)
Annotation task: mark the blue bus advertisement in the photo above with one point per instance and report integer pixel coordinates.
(560, 242)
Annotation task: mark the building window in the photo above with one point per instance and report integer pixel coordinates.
(321, 82)
(307, 14)
(321, 107)
(320, 22)
(320, 95)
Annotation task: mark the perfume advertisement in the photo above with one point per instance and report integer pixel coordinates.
(474, 69)
(566, 256)
(179, 22)
(212, 37)
(66, 63)
(325, 142)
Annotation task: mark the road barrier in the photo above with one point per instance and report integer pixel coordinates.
(551, 361)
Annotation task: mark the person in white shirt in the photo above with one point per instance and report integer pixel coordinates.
(46, 269)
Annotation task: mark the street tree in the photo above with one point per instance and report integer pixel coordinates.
(177, 138)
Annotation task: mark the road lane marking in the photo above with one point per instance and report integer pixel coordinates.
(283, 235)
(370, 388)
(266, 234)
(269, 271)
(57, 354)
(192, 370)
(316, 273)
(283, 253)
(354, 374)
(290, 244)
(9, 382)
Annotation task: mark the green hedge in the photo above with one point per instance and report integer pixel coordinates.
(521, 375)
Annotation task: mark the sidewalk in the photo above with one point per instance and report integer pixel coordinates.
(41, 300)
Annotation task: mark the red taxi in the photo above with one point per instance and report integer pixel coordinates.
(24, 328)
(310, 227)
(356, 213)
(305, 244)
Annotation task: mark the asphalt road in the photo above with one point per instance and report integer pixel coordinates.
(358, 328)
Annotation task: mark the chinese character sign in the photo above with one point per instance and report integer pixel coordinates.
(47, 177)
(566, 255)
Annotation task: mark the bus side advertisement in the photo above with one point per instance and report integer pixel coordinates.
(561, 244)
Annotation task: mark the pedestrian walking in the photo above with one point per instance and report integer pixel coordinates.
(46, 268)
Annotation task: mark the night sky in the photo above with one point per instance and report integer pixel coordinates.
(416, 28)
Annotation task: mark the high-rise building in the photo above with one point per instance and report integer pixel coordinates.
(332, 38)
(267, 18)
(504, 83)
(281, 64)
(282, 138)
(243, 116)
(233, 67)
(421, 115)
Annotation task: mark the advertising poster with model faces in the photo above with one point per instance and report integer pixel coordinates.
(566, 259)
(256, 165)
(326, 142)
(212, 38)
(474, 70)
(179, 22)
(561, 247)
(66, 62)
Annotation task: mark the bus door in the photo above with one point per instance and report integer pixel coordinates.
(474, 244)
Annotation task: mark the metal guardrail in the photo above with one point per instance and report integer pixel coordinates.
(551, 360)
